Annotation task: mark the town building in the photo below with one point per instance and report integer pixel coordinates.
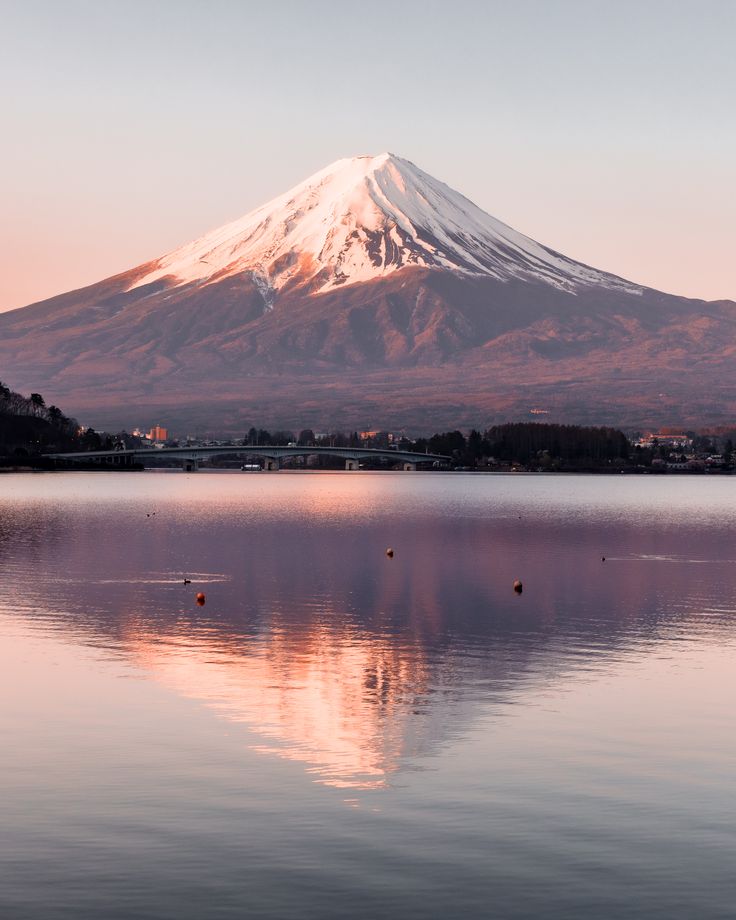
(157, 433)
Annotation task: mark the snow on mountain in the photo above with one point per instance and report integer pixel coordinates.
(364, 218)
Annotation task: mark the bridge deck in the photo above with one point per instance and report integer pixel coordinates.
(267, 451)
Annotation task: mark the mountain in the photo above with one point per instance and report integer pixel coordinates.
(372, 295)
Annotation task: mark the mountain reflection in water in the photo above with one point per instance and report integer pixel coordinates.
(331, 654)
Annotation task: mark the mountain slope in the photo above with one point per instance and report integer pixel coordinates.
(372, 294)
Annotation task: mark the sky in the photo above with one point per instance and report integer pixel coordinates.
(604, 130)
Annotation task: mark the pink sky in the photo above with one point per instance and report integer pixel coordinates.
(604, 131)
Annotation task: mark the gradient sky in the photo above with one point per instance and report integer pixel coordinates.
(605, 130)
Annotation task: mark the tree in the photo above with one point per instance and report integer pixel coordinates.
(38, 403)
(450, 443)
(306, 437)
(477, 446)
(728, 453)
(703, 445)
(90, 440)
(379, 440)
(524, 442)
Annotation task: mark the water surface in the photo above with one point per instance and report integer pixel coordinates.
(341, 734)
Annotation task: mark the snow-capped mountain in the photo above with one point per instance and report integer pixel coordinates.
(365, 218)
(370, 295)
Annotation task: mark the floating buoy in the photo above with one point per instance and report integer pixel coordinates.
(200, 599)
(603, 558)
(518, 587)
(390, 553)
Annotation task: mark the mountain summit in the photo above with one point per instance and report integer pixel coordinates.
(372, 294)
(364, 218)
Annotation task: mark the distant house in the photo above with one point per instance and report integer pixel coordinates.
(157, 433)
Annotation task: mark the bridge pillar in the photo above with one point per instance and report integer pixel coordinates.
(409, 467)
(190, 466)
(271, 464)
(352, 465)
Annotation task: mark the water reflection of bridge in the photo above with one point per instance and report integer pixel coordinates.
(271, 454)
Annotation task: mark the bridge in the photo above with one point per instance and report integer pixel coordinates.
(271, 454)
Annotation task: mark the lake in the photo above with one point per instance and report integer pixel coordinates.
(340, 734)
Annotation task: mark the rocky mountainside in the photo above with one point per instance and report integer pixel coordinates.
(372, 295)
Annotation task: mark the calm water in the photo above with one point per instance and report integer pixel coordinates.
(337, 734)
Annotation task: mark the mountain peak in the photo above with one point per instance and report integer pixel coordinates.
(362, 218)
(367, 161)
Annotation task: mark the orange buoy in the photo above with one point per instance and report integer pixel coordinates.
(390, 553)
(518, 587)
(200, 598)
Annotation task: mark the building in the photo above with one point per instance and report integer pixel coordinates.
(157, 433)
(675, 441)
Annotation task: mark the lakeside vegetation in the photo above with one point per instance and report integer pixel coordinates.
(530, 446)
(29, 429)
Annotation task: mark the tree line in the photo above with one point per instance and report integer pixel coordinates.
(524, 443)
(29, 426)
